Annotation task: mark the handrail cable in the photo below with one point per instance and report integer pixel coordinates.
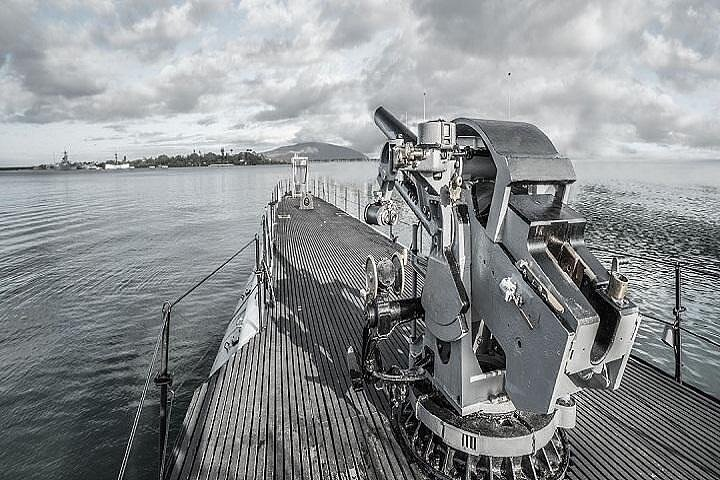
(700, 336)
(689, 266)
(235, 312)
(207, 277)
(158, 342)
(133, 431)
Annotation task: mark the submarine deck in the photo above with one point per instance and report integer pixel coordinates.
(283, 406)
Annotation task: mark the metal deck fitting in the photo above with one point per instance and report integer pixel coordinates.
(283, 407)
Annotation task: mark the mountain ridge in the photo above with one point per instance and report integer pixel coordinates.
(315, 151)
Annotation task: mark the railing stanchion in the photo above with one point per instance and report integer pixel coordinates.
(335, 195)
(265, 252)
(258, 276)
(359, 213)
(346, 199)
(164, 380)
(677, 312)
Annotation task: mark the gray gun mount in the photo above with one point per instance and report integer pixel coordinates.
(518, 314)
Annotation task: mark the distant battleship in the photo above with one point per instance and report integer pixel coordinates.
(65, 163)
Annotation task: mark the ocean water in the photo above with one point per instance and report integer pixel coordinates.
(87, 258)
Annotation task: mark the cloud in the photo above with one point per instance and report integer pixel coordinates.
(294, 97)
(117, 127)
(180, 87)
(357, 23)
(79, 69)
(592, 79)
(674, 61)
(602, 79)
(151, 29)
(43, 63)
(209, 120)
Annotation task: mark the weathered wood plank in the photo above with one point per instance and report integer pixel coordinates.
(178, 454)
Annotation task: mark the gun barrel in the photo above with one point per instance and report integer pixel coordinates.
(391, 126)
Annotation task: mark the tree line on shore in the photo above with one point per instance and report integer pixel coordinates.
(194, 159)
(199, 159)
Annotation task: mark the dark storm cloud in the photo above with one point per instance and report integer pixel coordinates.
(59, 68)
(151, 30)
(581, 70)
(295, 98)
(24, 50)
(353, 23)
(177, 90)
(41, 111)
(182, 88)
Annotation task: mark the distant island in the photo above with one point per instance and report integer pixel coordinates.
(315, 151)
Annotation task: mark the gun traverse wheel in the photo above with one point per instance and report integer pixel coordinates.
(480, 446)
(371, 278)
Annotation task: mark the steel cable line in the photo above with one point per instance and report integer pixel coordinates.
(151, 367)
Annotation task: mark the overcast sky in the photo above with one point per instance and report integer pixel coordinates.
(606, 79)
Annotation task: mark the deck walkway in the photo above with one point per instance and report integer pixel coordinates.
(283, 407)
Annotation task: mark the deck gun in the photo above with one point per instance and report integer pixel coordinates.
(518, 314)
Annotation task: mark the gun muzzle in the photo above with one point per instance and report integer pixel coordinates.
(391, 126)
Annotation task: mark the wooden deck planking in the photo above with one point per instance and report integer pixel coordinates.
(333, 372)
(652, 427)
(283, 407)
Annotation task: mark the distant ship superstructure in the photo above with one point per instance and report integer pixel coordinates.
(65, 162)
(118, 166)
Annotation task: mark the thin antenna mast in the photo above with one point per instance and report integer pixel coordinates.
(508, 95)
(424, 95)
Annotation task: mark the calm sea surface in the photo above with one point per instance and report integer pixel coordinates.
(87, 258)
